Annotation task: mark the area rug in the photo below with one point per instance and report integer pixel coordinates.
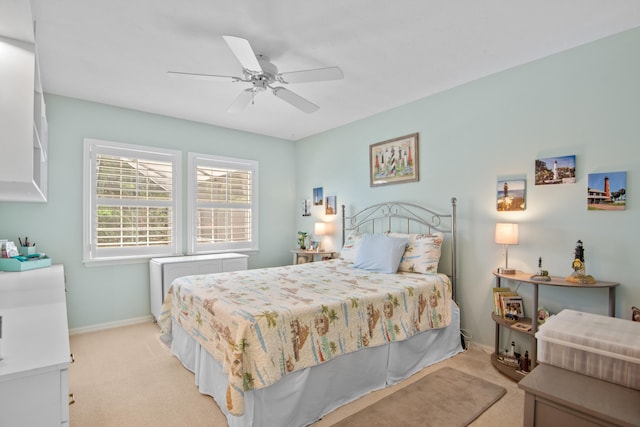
(443, 398)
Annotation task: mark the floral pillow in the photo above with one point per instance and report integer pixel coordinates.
(351, 246)
(422, 254)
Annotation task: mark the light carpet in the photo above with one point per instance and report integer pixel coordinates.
(444, 398)
(126, 377)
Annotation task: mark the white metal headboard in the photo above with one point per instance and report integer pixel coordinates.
(409, 218)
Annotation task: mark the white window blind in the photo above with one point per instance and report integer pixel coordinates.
(133, 195)
(223, 201)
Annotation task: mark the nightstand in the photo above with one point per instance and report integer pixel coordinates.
(302, 256)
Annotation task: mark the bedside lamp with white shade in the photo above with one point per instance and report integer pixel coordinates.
(320, 229)
(506, 234)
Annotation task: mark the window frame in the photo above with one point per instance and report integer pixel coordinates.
(208, 160)
(91, 254)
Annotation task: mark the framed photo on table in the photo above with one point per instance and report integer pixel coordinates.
(394, 161)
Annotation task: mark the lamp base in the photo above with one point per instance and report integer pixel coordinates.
(506, 270)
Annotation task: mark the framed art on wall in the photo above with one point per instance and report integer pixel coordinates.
(607, 191)
(511, 195)
(331, 207)
(317, 196)
(394, 161)
(556, 170)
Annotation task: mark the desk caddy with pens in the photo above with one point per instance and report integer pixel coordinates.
(25, 259)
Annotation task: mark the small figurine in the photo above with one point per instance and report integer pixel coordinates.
(541, 275)
(578, 275)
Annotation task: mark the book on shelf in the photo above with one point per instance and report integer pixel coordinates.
(498, 297)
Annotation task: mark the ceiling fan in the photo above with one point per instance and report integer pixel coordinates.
(262, 74)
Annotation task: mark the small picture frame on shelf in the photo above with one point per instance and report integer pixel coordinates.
(522, 326)
(513, 307)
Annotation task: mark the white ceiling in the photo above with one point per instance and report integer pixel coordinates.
(118, 52)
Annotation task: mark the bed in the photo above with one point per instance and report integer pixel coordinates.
(283, 346)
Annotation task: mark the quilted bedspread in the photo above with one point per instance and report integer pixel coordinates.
(264, 323)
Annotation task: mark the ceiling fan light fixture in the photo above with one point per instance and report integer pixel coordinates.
(261, 73)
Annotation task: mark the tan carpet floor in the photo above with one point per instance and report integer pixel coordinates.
(127, 377)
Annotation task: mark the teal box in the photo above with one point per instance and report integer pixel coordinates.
(13, 264)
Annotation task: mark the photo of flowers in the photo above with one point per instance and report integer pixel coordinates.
(317, 196)
(511, 195)
(556, 170)
(607, 191)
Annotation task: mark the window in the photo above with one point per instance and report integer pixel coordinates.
(223, 204)
(131, 201)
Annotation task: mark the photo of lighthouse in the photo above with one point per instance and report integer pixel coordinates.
(556, 170)
(607, 191)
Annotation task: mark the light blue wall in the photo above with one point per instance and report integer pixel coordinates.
(583, 102)
(99, 295)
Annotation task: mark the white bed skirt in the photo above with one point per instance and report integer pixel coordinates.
(303, 397)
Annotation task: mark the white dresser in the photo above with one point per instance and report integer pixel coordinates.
(163, 271)
(34, 388)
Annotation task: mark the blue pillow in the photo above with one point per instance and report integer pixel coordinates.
(380, 253)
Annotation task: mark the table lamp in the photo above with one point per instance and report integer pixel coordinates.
(506, 234)
(320, 229)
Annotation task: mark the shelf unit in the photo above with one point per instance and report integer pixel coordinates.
(500, 322)
(24, 138)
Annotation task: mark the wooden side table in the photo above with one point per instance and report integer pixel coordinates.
(302, 256)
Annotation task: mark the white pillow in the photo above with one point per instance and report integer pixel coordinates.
(351, 246)
(380, 253)
(422, 254)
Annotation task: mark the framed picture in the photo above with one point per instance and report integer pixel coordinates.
(317, 196)
(331, 207)
(556, 170)
(521, 326)
(394, 161)
(306, 208)
(511, 195)
(513, 307)
(607, 191)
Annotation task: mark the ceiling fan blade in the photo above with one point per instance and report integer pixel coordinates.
(295, 100)
(241, 102)
(317, 75)
(204, 76)
(243, 51)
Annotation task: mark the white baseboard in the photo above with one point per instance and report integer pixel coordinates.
(111, 325)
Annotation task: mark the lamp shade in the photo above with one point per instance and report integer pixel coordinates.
(320, 228)
(506, 233)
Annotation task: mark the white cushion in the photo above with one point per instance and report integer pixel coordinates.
(351, 246)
